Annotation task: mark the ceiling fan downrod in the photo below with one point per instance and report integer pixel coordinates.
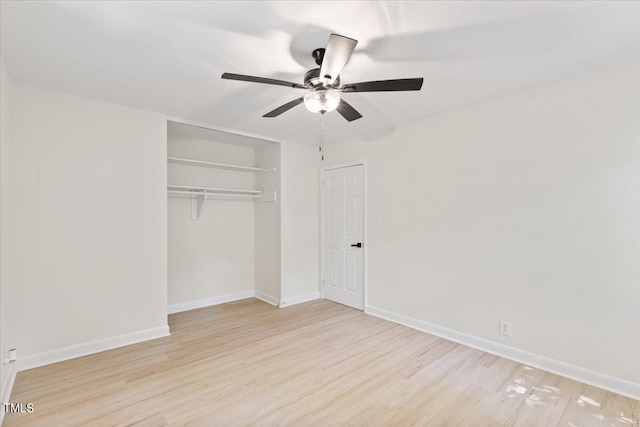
(318, 55)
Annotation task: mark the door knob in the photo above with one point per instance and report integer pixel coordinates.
(357, 245)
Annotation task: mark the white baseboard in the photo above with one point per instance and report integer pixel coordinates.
(5, 390)
(177, 308)
(73, 351)
(207, 302)
(267, 298)
(597, 379)
(289, 301)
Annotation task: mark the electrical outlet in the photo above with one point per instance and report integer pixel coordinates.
(505, 328)
(12, 356)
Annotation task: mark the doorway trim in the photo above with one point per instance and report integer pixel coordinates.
(324, 169)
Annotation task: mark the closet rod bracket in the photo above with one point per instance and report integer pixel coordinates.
(197, 202)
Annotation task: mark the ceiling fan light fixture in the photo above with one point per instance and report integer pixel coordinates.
(322, 101)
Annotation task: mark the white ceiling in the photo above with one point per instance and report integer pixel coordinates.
(168, 56)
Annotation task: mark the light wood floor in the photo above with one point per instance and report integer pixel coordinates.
(314, 364)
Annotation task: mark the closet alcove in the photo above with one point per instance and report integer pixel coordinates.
(223, 217)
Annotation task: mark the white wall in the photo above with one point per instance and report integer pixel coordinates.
(90, 220)
(524, 208)
(268, 227)
(8, 288)
(300, 222)
(214, 257)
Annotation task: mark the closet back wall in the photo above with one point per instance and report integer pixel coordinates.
(213, 258)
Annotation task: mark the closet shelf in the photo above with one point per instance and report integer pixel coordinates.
(202, 163)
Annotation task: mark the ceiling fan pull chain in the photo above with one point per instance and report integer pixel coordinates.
(322, 136)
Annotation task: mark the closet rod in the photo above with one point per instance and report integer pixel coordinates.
(215, 194)
(212, 190)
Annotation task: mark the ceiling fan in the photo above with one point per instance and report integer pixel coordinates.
(323, 84)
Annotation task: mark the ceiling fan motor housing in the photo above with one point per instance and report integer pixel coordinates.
(312, 79)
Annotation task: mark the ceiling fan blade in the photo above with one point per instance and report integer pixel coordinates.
(384, 85)
(253, 79)
(336, 56)
(347, 111)
(286, 107)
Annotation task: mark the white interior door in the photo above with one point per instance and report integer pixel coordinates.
(343, 239)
